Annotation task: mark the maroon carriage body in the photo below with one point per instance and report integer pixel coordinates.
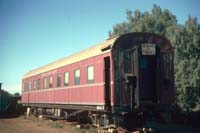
(121, 74)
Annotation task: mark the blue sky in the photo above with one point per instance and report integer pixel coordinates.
(36, 32)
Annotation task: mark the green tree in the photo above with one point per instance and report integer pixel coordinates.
(186, 41)
(187, 65)
(17, 94)
(157, 21)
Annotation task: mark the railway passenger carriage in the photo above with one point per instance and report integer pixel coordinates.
(123, 74)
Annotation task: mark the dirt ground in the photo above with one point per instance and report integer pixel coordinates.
(35, 125)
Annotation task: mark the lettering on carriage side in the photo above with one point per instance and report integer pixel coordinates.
(100, 107)
(148, 49)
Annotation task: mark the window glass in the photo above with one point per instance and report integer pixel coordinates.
(66, 80)
(23, 87)
(77, 77)
(26, 86)
(34, 84)
(90, 74)
(58, 80)
(50, 81)
(38, 84)
(45, 83)
(29, 86)
(167, 67)
(128, 62)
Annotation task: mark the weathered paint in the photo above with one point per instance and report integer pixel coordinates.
(132, 42)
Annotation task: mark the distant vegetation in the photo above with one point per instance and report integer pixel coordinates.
(186, 42)
(9, 103)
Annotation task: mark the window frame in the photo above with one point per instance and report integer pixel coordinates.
(167, 66)
(38, 84)
(45, 83)
(66, 83)
(29, 85)
(23, 87)
(34, 84)
(50, 81)
(58, 80)
(128, 62)
(26, 86)
(88, 74)
(77, 79)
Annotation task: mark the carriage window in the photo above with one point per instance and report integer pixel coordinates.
(26, 86)
(23, 87)
(45, 83)
(29, 86)
(128, 62)
(58, 80)
(38, 84)
(90, 74)
(66, 78)
(34, 84)
(167, 67)
(77, 77)
(50, 81)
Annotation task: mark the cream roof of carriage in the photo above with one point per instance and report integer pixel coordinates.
(87, 53)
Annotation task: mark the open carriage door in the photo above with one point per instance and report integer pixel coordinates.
(148, 73)
(107, 83)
